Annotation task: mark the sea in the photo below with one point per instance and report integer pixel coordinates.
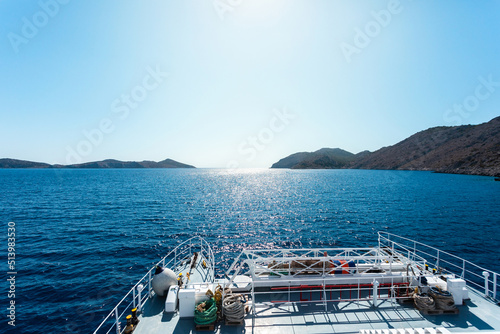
(83, 237)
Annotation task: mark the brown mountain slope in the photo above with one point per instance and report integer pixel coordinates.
(468, 149)
(111, 163)
(325, 158)
(14, 163)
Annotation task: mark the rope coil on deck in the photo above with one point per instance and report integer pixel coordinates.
(424, 302)
(234, 307)
(444, 300)
(205, 312)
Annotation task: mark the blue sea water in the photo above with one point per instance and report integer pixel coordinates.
(84, 237)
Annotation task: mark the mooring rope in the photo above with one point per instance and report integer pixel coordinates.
(234, 307)
(444, 300)
(424, 302)
(205, 312)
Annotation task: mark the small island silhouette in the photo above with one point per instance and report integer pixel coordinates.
(108, 163)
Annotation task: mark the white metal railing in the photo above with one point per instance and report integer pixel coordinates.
(326, 275)
(294, 272)
(325, 261)
(137, 297)
(323, 290)
(481, 279)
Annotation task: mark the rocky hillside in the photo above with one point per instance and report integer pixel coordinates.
(325, 158)
(467, 149)
(13, 163)
(109, 163)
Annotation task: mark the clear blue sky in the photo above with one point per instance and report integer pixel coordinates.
(249, 81)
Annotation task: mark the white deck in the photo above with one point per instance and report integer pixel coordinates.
(276, 275)
(345, 317)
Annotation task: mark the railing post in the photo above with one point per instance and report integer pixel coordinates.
(375, 292)
(139, 290)
(463, 270)
(149, 284)
(324, 296)
(289, 283)
(486, 283)
(495, 286)
(253, 302)
(359, 290)
(437, 261)
(118, 328)
(133, 297)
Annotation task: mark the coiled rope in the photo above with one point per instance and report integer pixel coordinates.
(217, 296)
(234, 307)
(424, 302)
(444, 299)
(205, 312)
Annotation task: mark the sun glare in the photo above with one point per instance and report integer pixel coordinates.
(261, 10)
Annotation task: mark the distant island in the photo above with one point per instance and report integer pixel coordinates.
(466, 149)
(109, 163)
